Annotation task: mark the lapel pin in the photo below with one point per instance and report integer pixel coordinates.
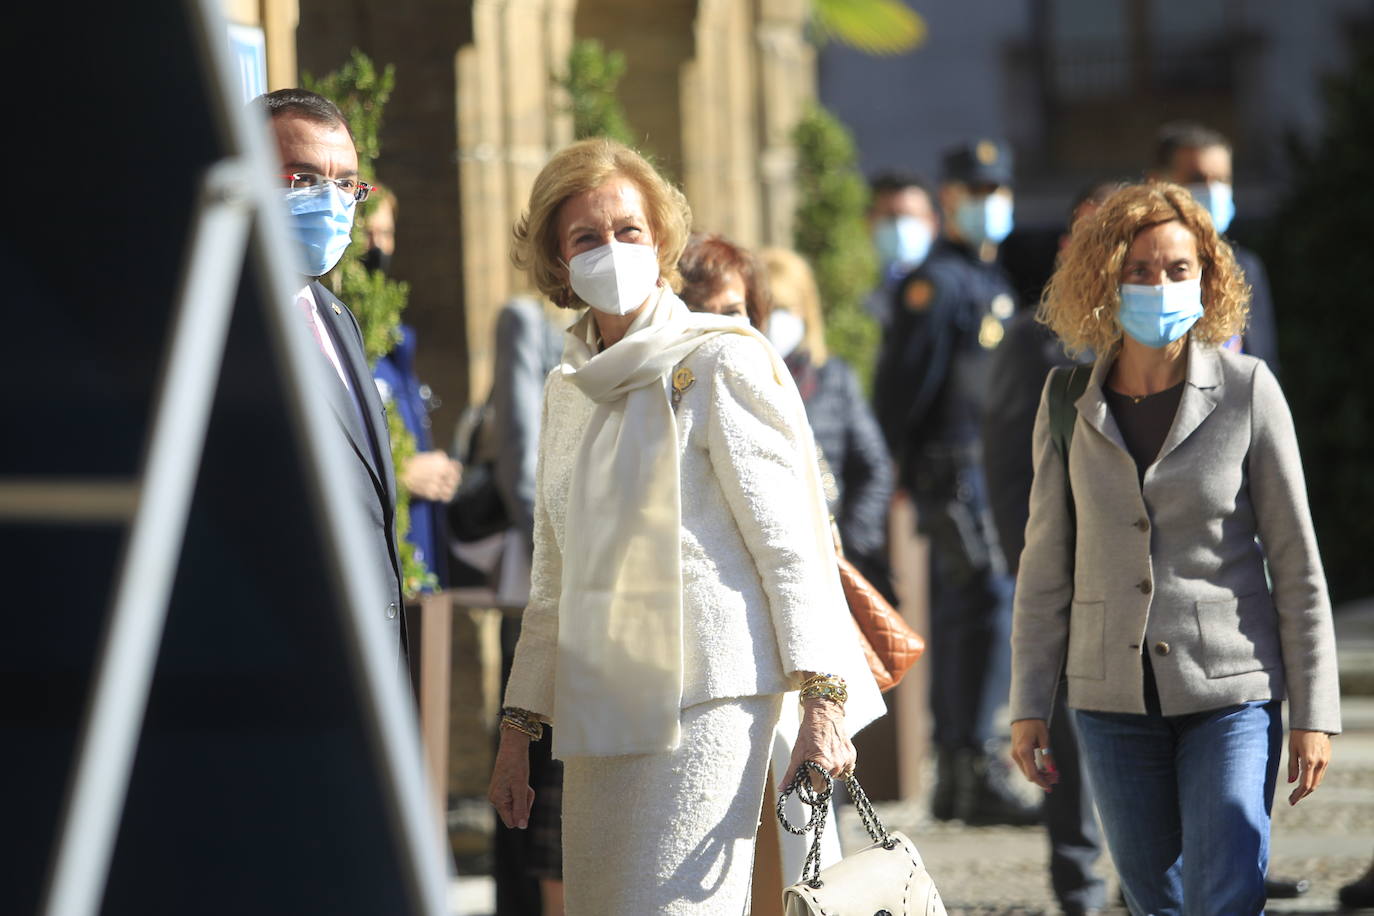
(335, 307)
(682, 380)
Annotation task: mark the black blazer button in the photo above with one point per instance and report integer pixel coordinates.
(1145, 586)
(1161, 648)
(1143, 524)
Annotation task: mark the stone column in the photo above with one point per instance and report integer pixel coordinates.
(511, 117)
(787, 82)
(720, 122)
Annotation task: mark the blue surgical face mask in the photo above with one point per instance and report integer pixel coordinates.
(321, 221)
(1215, 197)
(1156, 316)
(903, 240)
(985, 219)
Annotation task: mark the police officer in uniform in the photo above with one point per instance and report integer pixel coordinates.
(948, 316)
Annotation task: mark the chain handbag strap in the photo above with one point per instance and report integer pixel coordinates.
(818, 800)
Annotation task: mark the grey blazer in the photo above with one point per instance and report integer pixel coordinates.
(1175, 567)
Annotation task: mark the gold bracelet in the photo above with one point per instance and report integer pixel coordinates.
(825, 687)
(523, 721)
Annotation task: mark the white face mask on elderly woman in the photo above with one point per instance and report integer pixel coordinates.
(615, 278)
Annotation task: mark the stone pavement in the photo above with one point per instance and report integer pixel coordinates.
(1327, 838)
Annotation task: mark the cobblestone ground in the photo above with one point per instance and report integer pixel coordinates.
(1001, 871)
(1328, 838)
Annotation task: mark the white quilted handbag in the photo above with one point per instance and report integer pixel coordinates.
(887, 878)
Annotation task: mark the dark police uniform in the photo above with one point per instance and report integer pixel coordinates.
(948, 317)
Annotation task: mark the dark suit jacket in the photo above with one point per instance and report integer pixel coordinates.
(1261, 336)
(369, 480)
(1017, 376)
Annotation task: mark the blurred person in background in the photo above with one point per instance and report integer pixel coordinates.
(949, 315)
(903, 224)
(1144, 579)
(430, 476)
(723, 278)
(683, 576)
(529, 863)
(1199, 158)
(379, 228)
(1016, 377)
(858, 470)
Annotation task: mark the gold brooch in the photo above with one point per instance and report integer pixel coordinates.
(682, 380)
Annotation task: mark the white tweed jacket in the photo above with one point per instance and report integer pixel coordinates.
(758, 606)
(1176, 567)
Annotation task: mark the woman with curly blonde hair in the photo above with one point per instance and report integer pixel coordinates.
(1164, 483)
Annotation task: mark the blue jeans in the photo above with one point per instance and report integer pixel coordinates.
(1185, 802)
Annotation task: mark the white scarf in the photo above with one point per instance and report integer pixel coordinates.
(618, 683)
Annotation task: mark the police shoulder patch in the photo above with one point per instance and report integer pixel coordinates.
(919, 294)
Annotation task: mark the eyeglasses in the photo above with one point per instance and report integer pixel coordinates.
(352, 187)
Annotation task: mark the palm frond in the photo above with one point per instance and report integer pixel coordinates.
(878, 27)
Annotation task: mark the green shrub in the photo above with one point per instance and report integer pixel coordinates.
(593, 75)
(832, 234)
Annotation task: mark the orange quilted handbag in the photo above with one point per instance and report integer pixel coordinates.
(890, 644)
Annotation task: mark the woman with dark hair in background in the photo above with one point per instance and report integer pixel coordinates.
(723, 278)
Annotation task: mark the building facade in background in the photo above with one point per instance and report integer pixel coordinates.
(1080, 86)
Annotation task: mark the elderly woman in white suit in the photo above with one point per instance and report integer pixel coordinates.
(1143, 578)
(683, 580)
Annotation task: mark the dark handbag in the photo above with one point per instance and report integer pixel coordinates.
(477, 510)
(889, 643)
(886, 877)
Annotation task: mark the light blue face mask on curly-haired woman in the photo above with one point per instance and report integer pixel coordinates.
(1156, 316)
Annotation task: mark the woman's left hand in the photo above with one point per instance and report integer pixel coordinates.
(1308, 755)
(821, 738)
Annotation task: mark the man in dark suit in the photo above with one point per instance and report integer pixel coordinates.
(321, 190)
(1199, 158)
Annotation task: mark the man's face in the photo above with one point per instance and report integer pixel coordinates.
(309, 146)
(1200, 165)
(381, 227)
(903, 202)
(912, 202)
(954, 194)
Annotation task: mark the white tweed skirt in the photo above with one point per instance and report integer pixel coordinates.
(670, 833)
